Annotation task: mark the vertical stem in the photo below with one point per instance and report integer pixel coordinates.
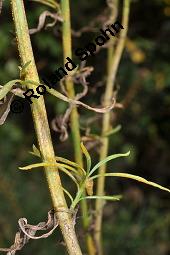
(106, 125)
(75, 129)
(67, 47)
(43, 132)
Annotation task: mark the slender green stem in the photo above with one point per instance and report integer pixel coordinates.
(67, 48)
(67, 45)
(113, 64)
(43, 132)
(79, 195)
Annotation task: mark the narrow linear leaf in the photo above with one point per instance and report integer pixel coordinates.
(87, 155)
(68, 162)
(68, 194)
(51, 3)
(73, 101)
(113, 131)
(35, 151)
(70, 175)
(104, 161)
(7, 88)
(111, 198)
(67, 167)
(29, 167)
(133, 177)
(23, 68)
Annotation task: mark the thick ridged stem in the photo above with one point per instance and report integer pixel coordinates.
(106, 124)
(43, 132)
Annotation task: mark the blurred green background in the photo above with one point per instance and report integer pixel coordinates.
(140, 222)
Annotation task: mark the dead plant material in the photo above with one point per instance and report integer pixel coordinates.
(102, 19)
(5, 107)
(27, 232)
(42, 19)
(60, 124)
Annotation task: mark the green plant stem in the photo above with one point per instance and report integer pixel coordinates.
(67, 48)
(75, 129)
(113, 64)
(43, 132)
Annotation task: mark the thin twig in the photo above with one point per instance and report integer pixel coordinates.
(113, 64)
(74, 118)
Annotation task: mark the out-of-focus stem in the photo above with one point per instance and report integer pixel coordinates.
(113, 64)
(43, 132)
(67, 47)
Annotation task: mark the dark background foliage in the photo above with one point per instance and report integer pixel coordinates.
(140, 222)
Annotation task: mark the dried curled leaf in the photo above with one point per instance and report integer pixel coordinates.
(60, 124)
(6, 98)
(73, 101)
(27, 232)
(5, 108)
(51, 223)
(76, 102)
(42, 20)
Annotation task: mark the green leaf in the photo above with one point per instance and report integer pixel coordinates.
(68, 194)
(45, 164)
(29, 167)
(104, 161)
(113, 131)
(51, 3)
(87, 155)
(68, 167)
(7, 88)
(35, 151)
(23, 70)
(70, 175)
(111, 198)
(68, 162)
(133, 177)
